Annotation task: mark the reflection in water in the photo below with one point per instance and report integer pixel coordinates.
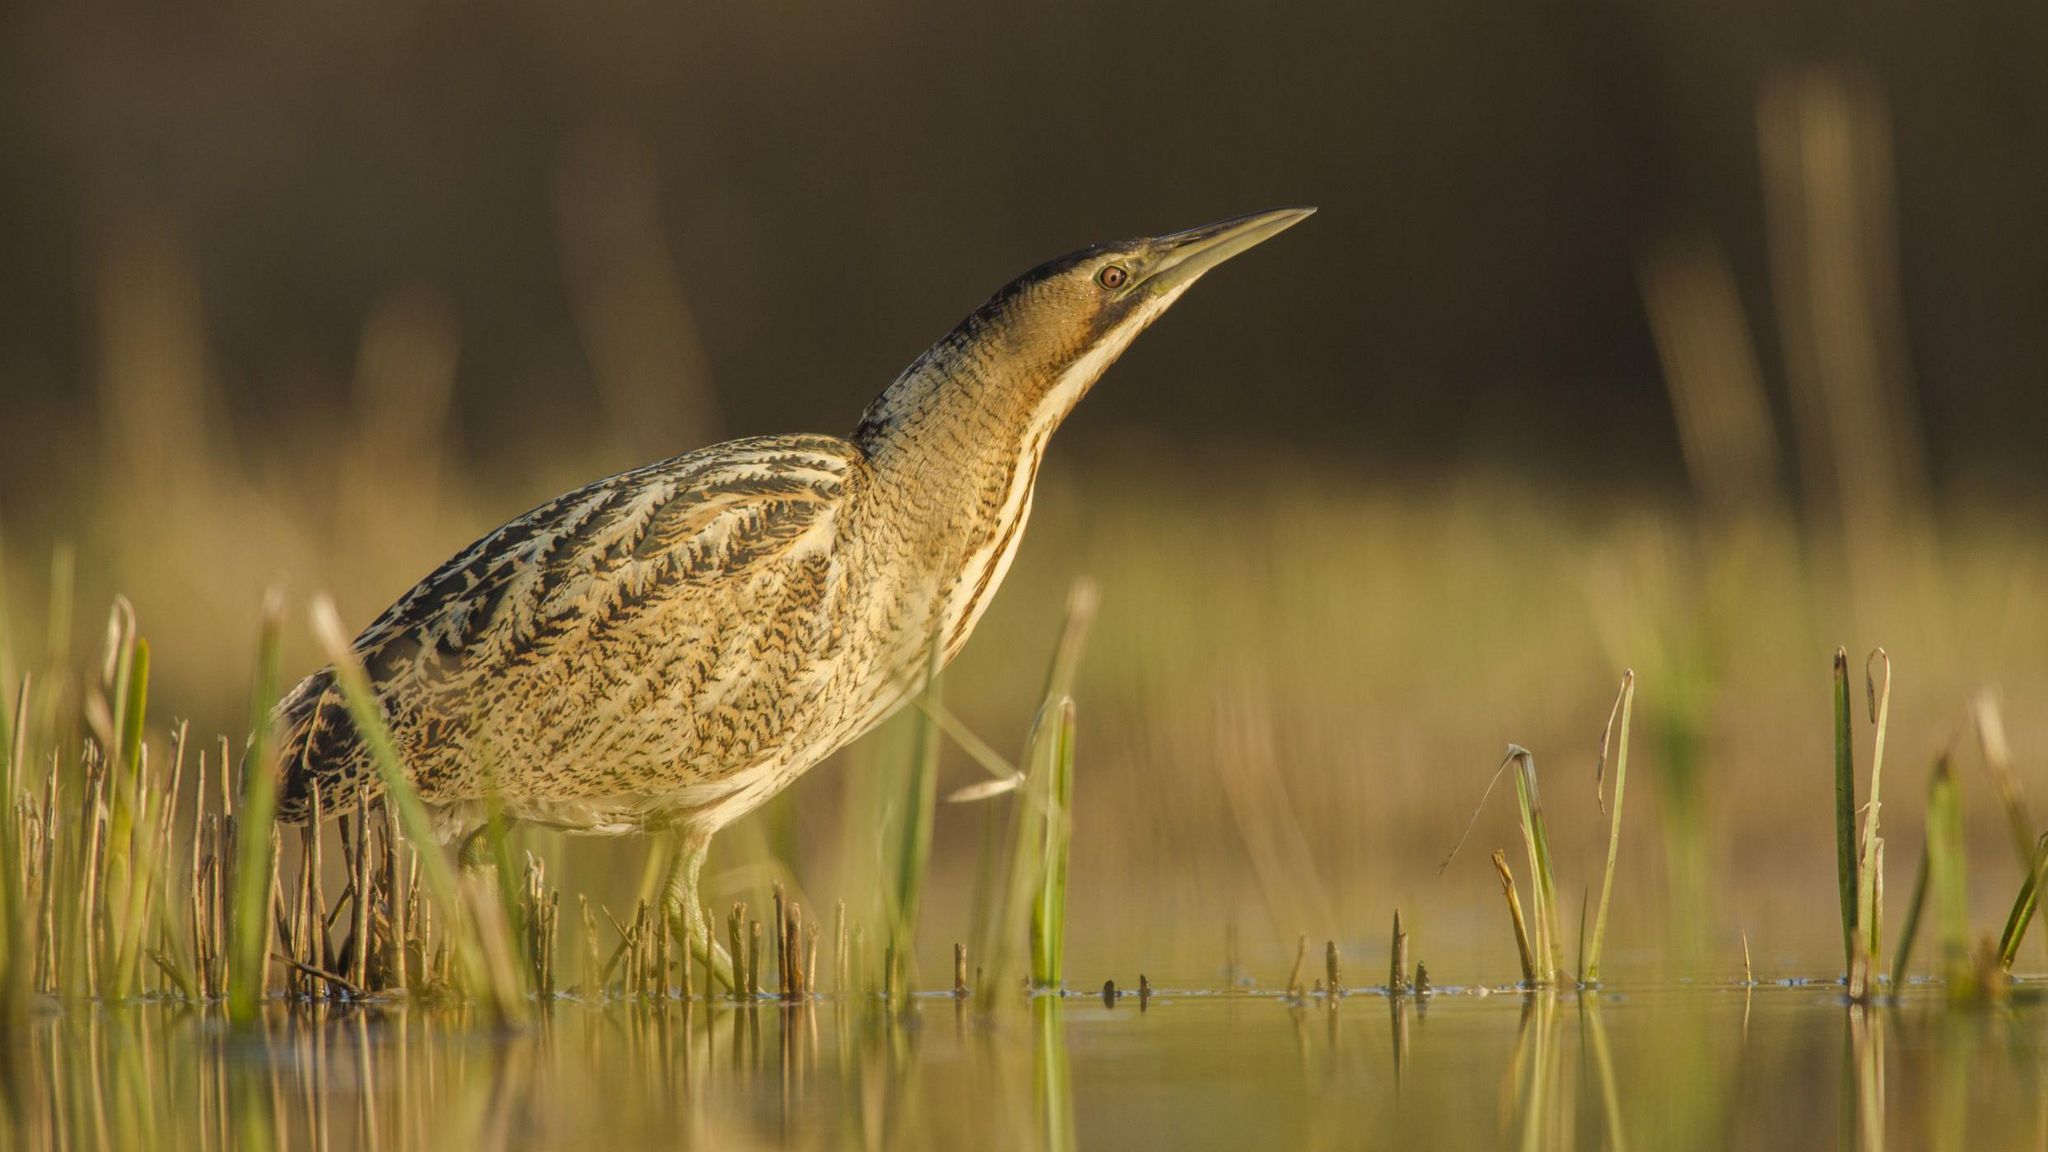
(1699, 1068)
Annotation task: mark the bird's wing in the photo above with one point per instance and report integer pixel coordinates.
(567, 587)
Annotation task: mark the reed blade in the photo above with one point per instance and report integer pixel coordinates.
(1049, 909)
(249, 927)
(1845, 809)
(2023, 906)
(486, 963)
(1624, 709)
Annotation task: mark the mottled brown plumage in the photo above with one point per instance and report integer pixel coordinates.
(673, 645)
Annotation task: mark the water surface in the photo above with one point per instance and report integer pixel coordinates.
(1771, 1067)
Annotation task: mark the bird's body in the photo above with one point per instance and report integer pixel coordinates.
(673, 645)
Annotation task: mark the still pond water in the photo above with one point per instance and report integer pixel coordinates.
(1778, 1066)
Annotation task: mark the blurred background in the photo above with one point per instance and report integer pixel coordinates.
(1697, 339)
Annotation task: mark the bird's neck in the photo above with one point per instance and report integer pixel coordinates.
(956, 443)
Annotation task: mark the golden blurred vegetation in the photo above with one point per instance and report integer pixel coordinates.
(312, 303)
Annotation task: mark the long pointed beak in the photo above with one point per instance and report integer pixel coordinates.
(1186, 255)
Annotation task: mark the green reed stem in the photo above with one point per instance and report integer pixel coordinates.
(1945, 878)
(1845, 809)
(914, 846)
(249, 927)
(1535, 838)
(1624, 706)
(1012, 889)
(1911, 929)
(2023, 906)
(483, 962)
(1049, 910)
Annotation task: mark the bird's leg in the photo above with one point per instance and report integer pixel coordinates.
(685, 912)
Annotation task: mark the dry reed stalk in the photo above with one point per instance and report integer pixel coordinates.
(1333, 966)
(1870, 863)
(782, 949)
(48, 972)
(91, 932)
(359, 934)
(754, 959)
(811, 960)
(1294, 987)
(1397, 966)
(839, 957)
(1507, 887)
(960, 990)
(398, 889)
(198, 900)
(795, 953)
(593, 982)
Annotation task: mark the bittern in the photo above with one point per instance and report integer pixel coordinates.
(667, 648)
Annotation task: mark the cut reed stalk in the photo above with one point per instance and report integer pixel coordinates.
(1294, 986)
(1397, 964)
(1333, 968)
(735, 933)
(1624, 709)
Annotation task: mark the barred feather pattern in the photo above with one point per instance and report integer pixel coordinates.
(667, 642)
(675, 644)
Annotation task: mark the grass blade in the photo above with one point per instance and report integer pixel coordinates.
(249, 927)
(1870, 866)
(1536, 839)
(1946, 881)
(914, 845)
(1049, 910)
(1845, 809)
(1624, 707)
(1912, 926)
(2023, 906)
(485, 964)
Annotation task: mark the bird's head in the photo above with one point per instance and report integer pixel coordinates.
(1041, 342)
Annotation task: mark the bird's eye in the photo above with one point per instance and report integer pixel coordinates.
(1112, 276)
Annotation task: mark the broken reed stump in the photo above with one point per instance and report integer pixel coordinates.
(960, 989)
(1507, 886)
(1397, 969)
(1335, 969)
(1294, 986)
